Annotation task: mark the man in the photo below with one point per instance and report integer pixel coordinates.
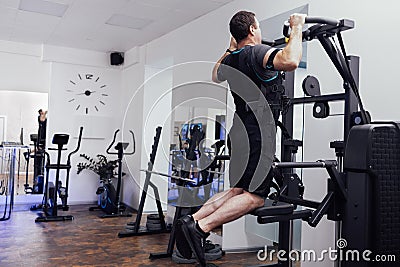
(42, 120)
(247, 63)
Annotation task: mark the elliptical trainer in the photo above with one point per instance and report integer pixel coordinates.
(50, 207)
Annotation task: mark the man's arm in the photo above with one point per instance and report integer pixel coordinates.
(288, 59)
(43, 116)
(232, 47)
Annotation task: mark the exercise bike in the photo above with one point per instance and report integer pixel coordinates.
(109, 196)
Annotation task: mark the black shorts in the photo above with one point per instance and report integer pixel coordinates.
(247, 155)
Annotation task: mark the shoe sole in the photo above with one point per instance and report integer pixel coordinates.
(177, 258)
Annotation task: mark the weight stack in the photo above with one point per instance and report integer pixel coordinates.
(371, 219)
(153, 222)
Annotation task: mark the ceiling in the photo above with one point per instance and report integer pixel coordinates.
(90, 24)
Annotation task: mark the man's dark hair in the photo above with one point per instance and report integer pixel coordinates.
(240, 23)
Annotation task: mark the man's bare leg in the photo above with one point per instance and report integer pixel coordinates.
(232, 209)
(215, 202)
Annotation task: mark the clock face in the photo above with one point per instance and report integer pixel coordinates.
(87, 93)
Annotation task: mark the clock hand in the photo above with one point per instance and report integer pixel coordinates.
(87, 92)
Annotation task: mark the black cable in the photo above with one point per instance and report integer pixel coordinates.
(302, 139)
(351, 81)
(339, 34)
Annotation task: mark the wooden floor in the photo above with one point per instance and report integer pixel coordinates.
(86, 241)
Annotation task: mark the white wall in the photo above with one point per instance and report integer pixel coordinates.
(132, 106)
(21, 110)
(24, 85)
(156, 112)
(68, 84)
(21, 68)
(31, 69)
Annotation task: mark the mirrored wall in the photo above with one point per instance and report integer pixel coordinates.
(18, 121)
(198, 135)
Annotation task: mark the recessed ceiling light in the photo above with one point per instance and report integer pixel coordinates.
(43, 7)
(128, 22)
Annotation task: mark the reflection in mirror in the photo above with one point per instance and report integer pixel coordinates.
(18, 123)
(198, 134)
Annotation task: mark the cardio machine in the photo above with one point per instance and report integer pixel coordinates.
(109, 196)
(49, 205)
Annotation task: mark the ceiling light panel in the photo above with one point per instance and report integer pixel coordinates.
(222, 1)
(143, 10)
(128, 22)
(9, 3)
(161, 3)
(43, 7)
(7, 15)
(198, 7)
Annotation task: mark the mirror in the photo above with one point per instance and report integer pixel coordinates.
(207, 125)
(18, 120)
(198, 133)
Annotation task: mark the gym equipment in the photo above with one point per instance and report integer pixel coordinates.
(137, 230)
(214, 252)
(8, 162)
(38, 168)
(311, 86)
(366, 191)
(133, 228)
(50, 206)
(321, 110)
(169, 176)
(110, 198)
(372, 168)
(291, 192)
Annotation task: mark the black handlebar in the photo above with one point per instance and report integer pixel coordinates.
(78, 145)
(113, 142)
(309, 20)
(320, 20)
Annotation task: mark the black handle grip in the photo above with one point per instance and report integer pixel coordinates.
(286, 28)
(273, 43)
(134, 144)
(320, 20)
(78, 145)
(112, 143)
(309, 20)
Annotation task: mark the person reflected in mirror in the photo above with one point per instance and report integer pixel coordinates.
(42, 121)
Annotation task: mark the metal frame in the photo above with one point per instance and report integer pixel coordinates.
(332, 204)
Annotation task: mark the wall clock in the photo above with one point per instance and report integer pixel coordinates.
(88, 94)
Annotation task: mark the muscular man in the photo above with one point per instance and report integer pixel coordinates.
(247, 63)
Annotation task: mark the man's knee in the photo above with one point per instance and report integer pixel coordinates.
(236, 191)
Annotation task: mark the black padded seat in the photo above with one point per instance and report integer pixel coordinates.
(60, 139)
(272, 208)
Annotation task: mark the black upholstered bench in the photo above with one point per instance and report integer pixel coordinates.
(276, 211)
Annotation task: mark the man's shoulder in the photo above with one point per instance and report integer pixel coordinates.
(261, 48)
